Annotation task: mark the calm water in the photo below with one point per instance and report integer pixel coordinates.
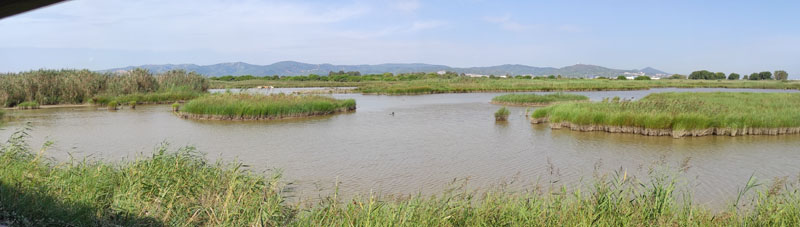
(431, 140)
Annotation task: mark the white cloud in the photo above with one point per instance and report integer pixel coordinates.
(416, 26)
(507, 23)
(174, 25)
(406, 5)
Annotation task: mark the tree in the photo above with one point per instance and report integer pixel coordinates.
(745, 77)
(733, 76)
(781, 75)
(754, 76)
(702, 75)
(551, 77)
(642, 78)
(719, 76)
(621, 77)
(766, 75)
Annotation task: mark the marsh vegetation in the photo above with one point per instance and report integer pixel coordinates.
(244, 106)
(537, 99)
(682, 114)
(51, 87)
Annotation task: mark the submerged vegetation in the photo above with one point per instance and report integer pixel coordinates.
(244, 106)
(179, 187)
(502, 114)
(682, 114)
(536, 99)
(50, 87)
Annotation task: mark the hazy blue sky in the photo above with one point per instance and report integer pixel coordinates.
(674, 36)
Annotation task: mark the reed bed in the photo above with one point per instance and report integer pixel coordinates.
(51, 87)
(244, 106)
(536, 99)
(682, 114)
(179, 187)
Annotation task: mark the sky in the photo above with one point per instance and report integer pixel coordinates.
(673, 36)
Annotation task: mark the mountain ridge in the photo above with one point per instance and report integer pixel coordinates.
(294, 68)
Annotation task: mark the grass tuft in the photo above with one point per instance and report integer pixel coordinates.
(501, 114)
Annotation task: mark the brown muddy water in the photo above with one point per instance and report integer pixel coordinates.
(428, 142)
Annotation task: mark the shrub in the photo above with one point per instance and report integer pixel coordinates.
(501, 114)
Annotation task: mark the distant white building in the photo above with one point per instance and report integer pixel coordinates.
(441, 72)
(475, 75)
(634, 74)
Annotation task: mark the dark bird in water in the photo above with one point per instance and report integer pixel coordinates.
(392, 114)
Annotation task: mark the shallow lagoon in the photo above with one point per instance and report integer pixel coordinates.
(428, 142)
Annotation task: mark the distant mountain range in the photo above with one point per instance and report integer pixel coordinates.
(293, 68)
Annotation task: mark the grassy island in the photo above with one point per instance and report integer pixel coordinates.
(536, 99)
(179, 187)
(682, 114)
(262, 107)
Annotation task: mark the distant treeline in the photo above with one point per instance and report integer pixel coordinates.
(765, 75)
(68, 86)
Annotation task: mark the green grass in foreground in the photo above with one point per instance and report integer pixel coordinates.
(180, 188)
(685, 111)
(256, 106)
(536, 99)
